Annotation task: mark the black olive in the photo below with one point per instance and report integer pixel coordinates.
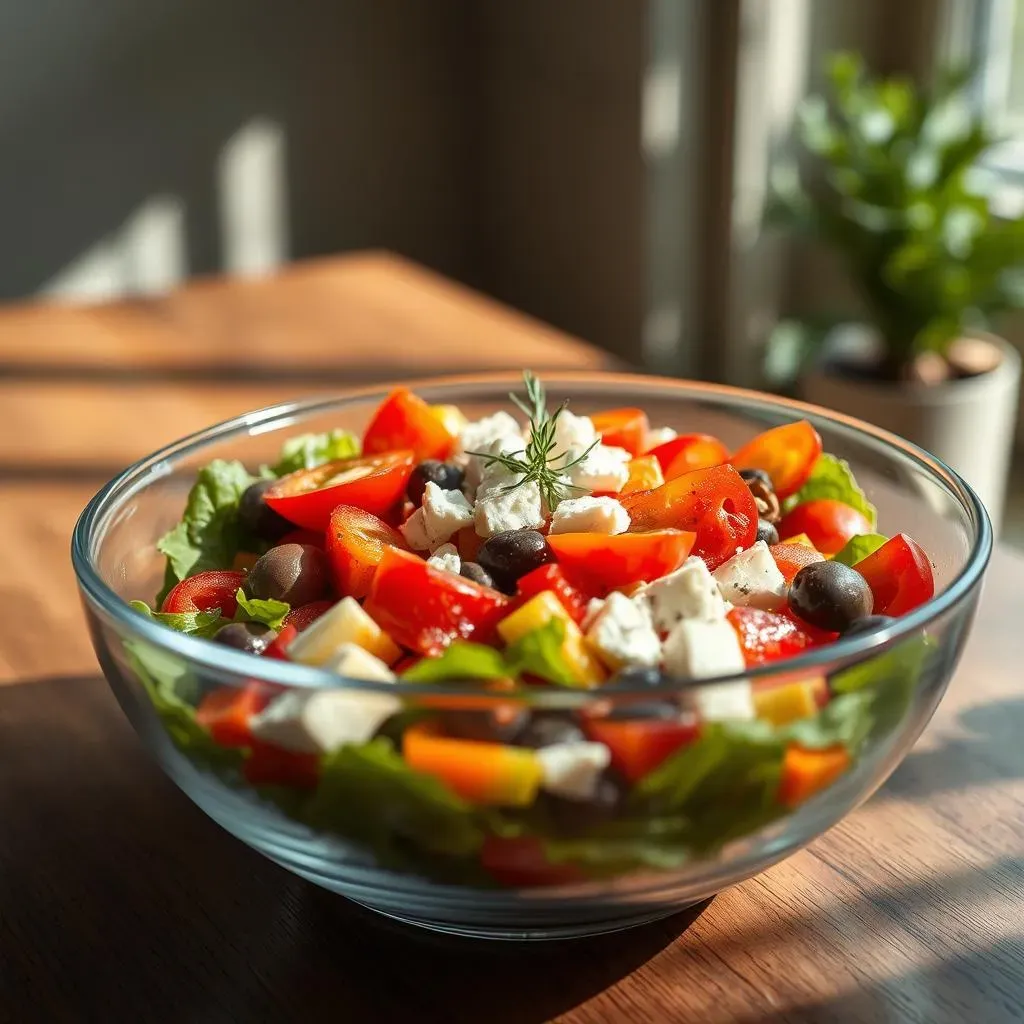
(750, 475)
(508, 556)
(475, 572)
(444, 474)
(544, 728)
(252, 637)
(575, 816)
(635, 677)
(487, 726)
(627, 710)
(830, 595)
(257, 517)
(766, 531)
(868, 624)
(296, 573)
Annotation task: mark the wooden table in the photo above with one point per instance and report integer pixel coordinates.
(119, 901)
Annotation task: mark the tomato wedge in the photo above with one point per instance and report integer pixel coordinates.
(226, 713)
(715, 503)
(403, 420)
(644, 474)
(551, 577)
(206, 592)
(425, 609)
(520, 862)
(278, 647)
(623, 428)
(766, 636)
(787, 454)
(900, 576)
(791, 557)
(688, 452)
(639, 745)
(373, 483)
(601, 563)
(355, 544)
(827, 523)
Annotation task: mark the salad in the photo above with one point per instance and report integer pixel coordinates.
(525, 555)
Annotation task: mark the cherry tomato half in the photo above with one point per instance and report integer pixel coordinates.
(404, 420)
(355, 544)
(765, 636)
(827, 523)
(899, 574)
(601, 563)
(715, 503)
(306, 614)
(425, 609)
(204, 592)
(688, 452)
(373, 483)
(787, 454)
(623, 428)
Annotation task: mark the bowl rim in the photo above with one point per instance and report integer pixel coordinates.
(224, 661)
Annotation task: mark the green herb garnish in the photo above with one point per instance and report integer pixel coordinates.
(537, 462)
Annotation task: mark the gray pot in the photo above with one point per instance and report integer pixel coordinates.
(969, 423)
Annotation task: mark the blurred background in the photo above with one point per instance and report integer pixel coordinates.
(617, 169)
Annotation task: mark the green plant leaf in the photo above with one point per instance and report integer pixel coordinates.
(310, 450)
(201, 624)
(858, 548)
(539, 652)
(253, 609)
(460, 660)
(832, 477)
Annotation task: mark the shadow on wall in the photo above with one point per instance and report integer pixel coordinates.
(148, 142)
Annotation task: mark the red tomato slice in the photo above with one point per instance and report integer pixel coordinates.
(226, 713)
(425, 609)
(715, 503)
(787, 454)
(268, 765)
(551, 577)
(644, 475)
(403, 420)
(306, 614)
(828, 524)
(639, 745)
(623, 428)
(791, 558)
(205, 592)
(766, 636)
(689, 452)
(278, 647)
(373, 483)
(355, 544)
(900, 576)
(601, 563)
(520, 862)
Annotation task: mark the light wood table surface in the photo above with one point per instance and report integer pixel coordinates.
(119, 901)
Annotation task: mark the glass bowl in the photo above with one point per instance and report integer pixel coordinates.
(378, 839)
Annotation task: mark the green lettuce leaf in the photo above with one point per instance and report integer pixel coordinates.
(208, 536)
(202, 624)
(858, 548)
(253, 609)
(539, 652)
(367, 793)
(833, 478)
(309, 450)
(460, 660)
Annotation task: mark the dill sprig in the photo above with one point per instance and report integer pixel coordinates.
(538, 461)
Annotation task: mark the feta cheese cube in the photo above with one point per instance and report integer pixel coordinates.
(594, 606)
(478, 435)
(725, 702)
(573, 770)
(498, 510)
(573, 432)
(446, 557)
(344, 624)
(659, 435)
(356, 662)
(589, 515)
(688, 593)
(605, 469)
(751, 578)
(442, 514)
(622, 633)
(698, 649)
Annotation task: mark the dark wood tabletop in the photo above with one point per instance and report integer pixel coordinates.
(120, 901)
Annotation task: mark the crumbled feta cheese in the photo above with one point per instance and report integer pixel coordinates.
(698, 649)
(446, 557)
(605, 469)
(442, 514)
(479, 435)
(688, 593)
(475, 466)
(589, 515)
(594, 606)
(573, 432)
(751, 578)
(573, 770)
(659, 435)
(623, 633)
(498, 510)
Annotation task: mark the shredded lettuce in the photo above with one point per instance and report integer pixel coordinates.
(202, 624)
(858, 548)
(309, 450)
(833, 478)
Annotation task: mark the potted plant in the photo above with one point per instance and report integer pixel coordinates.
(895, 186)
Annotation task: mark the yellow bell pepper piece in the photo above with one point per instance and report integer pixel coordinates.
(786, 702)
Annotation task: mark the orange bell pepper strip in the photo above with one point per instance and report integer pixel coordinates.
(806, 772)
(482, 773)
(623, 428)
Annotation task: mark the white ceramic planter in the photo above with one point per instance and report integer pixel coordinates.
(969, 423)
